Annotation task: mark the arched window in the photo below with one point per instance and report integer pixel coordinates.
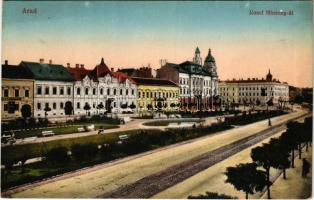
(101, 91)
(108, 91)
(114, 92)
(86, 91)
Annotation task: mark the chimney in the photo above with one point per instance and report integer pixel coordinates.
(112, 69)
(82, 66)
(41, 61)
(68, 65)
(6, 62)
(50, 62)
(77, 65)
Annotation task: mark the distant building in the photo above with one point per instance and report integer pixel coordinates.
(53, 87)
(17, 91)
(143, 72)
(198, 84)
(254, 90)
(156, 94)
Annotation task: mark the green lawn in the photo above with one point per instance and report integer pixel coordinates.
(59, 130)
(167, 122)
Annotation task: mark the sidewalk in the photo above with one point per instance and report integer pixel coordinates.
(294, 187)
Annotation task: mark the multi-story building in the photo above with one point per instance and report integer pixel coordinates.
(156, 94)
(53, 87)
(198, 84)
(101, 90)
(254, 90)
(17, 91)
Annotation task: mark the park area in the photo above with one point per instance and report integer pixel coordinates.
(61, 156)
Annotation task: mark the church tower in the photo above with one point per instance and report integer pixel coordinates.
(210, 64)
(197, 57)
(269, 76)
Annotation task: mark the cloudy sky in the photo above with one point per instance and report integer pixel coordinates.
(133, 34)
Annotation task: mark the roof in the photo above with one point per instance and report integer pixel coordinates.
(128, 71)
(16, 72)
(51, 72)
(252, 81)
(79, 73)
(154, 81)
(100, 70)
(122, 77)
(192, 68)
(197, 50)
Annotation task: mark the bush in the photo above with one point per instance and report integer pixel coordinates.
(83, 152)
(211, 195)
(57, 155)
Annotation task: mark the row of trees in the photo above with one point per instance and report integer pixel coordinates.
(278, 154)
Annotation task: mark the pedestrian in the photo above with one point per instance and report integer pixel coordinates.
(305, 167)
(269, 122)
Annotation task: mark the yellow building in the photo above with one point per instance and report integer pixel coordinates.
(156, 94)
(17, 91)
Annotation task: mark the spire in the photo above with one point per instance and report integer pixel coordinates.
(197, 50)
(102, 61)
(269, 76)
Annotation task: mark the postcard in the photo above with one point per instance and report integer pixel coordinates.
(157, 99)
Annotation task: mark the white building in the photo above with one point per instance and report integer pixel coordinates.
(101, 90)
(198, 84)
(254, 90)
(53, 87)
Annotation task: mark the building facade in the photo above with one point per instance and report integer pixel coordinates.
(255, 91)
(156, 94)
(198, 83)
(101, 90)
(53, 88)
(17, 92)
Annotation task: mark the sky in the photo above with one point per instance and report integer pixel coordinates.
(135, 34)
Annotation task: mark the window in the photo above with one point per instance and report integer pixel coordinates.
(69, 91)
(108, 91)
(46, 105)
(132, 92)
(86, 91)
(114, 92)
(121, 91)
(61, 105)
(61, 90)
(78, 105)
(38, 106)
(94, 91)
(54, 106)
(26, 93)
(38, 90)
(127, 92)
(16, 92)
(5, 107)
(6, 92)
(78, 91)
(94, 105)
(101, 91)
(139, 94)
(54, 90)
(47, 90)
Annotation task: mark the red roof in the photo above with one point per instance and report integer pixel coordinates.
(122, 77)
(100, 70)
(78, 73)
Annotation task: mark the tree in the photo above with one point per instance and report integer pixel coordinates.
(287, 139)
(47, 109)
(26, 111)
(172, 105)
(124, 106)
(132, 106)
(68, 108)
(246, 177)
(159, 105)
(262, 156)
(211, 195)
(100, 106)
(296, 130)
(308, 130)
(149, 107)
(281, 155)
(87, 107)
